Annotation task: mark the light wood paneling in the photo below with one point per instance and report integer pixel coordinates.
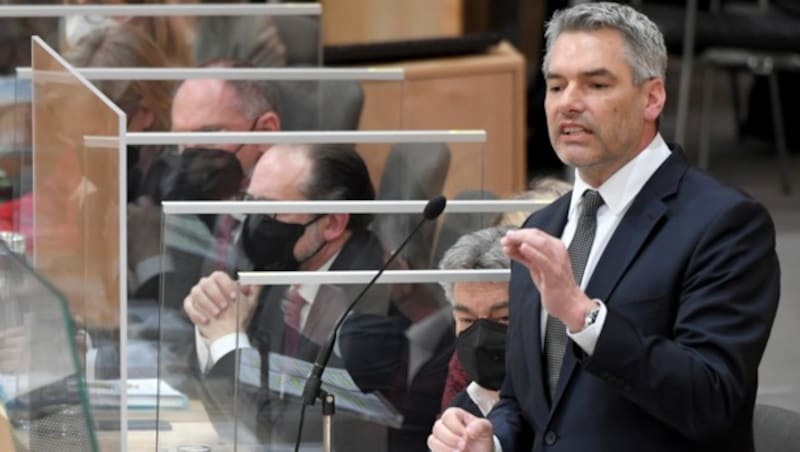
(474, 92)
(360, 21)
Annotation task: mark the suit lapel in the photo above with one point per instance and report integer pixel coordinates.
(553, 220)
(645, 213)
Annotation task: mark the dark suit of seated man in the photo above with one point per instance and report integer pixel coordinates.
(234, 321)
(641, 303)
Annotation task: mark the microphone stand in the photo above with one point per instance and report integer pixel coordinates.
(328, 410)
(313, 387)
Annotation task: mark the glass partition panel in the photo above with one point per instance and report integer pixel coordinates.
(15, 157)
(77, 214)
(240, 368)
(42, 391)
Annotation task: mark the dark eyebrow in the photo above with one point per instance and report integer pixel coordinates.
(209, 128)
(601, 72)
(462, 308)
(499, 306)
(553, 75)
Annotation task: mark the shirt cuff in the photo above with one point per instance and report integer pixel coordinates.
(227, 344)
(151, 266)
(497, 446)
(587, 337)
(201, 345)
(90, 363)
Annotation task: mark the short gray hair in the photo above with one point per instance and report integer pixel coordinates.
(253, 98)
(645, 48)
(474, 251)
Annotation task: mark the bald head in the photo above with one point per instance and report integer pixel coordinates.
(214, 105)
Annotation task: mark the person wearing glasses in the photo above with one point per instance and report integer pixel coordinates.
(247, 325)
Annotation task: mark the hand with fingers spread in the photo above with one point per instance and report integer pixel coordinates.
(547, 261)
(215, 306)
(458, 430)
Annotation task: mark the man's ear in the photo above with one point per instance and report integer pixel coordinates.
(141, 119)
(656, 97)
(335, 225)
(268, 122)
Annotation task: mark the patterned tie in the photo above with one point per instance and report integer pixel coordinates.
(555, 336)
(293, 307)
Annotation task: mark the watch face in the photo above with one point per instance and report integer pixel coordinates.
(591, 316)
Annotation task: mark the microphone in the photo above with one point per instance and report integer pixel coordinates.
(432, 210)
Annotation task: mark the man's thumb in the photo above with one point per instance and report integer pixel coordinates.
(479, 430)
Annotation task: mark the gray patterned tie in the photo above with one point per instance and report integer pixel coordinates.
(555, 336)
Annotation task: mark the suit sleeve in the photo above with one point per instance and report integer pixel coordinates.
(513, 431)
(700, 379)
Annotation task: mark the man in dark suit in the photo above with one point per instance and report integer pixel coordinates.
(640, 303)
(237, 324)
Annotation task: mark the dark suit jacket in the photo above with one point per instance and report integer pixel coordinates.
(374, 352)
(464, 401)
(691, 282)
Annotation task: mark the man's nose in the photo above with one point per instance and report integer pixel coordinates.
(571, 101)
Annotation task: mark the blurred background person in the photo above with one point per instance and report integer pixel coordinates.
(171, 35)
(480, 311)
(146, 104)
(545, 189)
(216, 105)
(542, 189)
(255, 39)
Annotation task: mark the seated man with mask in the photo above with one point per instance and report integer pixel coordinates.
(480, 310)
(200, 173)
(234, 322)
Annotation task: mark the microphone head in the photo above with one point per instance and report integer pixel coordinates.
(434, 208)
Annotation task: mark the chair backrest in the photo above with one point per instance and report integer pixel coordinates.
(412, 171)
(319, 105)
(300, 35)
(455, 225)
(776, 429)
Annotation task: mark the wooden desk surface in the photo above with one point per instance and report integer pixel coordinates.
(188, 427)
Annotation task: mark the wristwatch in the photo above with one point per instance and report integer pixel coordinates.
(591, 316)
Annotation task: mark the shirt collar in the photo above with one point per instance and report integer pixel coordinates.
(309, 291)
(484, 398)
(620, 189)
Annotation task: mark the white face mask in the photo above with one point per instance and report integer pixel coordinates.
(76, 27)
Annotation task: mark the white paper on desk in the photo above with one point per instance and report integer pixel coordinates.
(287, 376)
(143, 393)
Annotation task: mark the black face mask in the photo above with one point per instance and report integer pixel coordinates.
(481, 349)
(134, 173)
(200, 174)
(269, 243)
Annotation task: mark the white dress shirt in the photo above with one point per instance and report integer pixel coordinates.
(208, 353)
(618, 193)
(483, 398)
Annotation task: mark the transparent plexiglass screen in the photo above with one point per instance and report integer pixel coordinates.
(42, 391)
(242, 372)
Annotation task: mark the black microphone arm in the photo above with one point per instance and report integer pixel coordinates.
(432, 210)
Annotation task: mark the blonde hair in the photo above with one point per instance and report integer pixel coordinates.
(545, 189)
(125, 46)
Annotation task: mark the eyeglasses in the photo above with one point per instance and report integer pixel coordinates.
(244, 196)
